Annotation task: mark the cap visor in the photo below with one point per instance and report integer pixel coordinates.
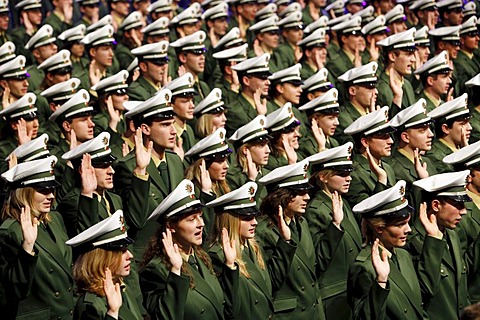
(246, 212)
(300, 187)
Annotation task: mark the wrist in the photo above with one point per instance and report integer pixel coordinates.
(113, 313)
(140, 171)
(379, 280)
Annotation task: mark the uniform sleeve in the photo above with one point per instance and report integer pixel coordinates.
(279, 261)
(164, 293)
(135, 203)
(17, 267)
(366, 297)
(88, 311)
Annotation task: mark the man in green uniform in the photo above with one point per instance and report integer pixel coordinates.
(89, 10)
(289, 53)
(267, 39)
(450, 12)
(361, 84)
(161, 8)
(313, 11)
(74, 118)
(61, 17)
(13, 80)
(466, 64)
(374, 32)
(452, 130)
(348, 57)
(414, 136)
(42, 45)
(71, 41)
(182, 101)
(333, 47)
(444, 293)
(191, 55)
(131, 38)
(99, 45)
(4, 21)
(152, 61)
(31, 20)
(229, 82)
(373, 141)
(155, 118)
(474, 104)
(435, 77)
(426, 12)
(448, 38)
(253, 75)
(315, 86)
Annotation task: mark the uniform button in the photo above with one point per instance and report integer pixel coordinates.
(57, 294)
(71, 312)
(441, 271)
(314, 305)
(460, 307)
(303, 309)
(351, 249)
(203, 310)
(223, 302)
(313, 284)
(298, 268)
(153, 194)
(303, 288)
(256, 301)
(69, 289)
(50, 271)
(59, 318)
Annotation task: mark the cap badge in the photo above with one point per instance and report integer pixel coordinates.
(262, 122)
(402, 191)
(30, 100)
(84, 96)
(374, 68)
(52, 164)
(105, 141)
(251, 191)
(349, 150)
(73, 85)
(167, 97)
(218, 94)
(122, 225)
(221, 135)
(189, 189)
(334, 94)
(45, 141)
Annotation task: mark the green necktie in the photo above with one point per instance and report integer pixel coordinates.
(192, 262)
(162, 168)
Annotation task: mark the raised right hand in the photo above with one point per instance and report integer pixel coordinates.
(172, 251)
(29, 229)
(113, 293)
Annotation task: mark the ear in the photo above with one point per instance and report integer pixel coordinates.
(145, 129)
(182, 57)
(365, 142)
(143, 66)
(462, 40)
(430, 80)
(279, 88)
(246, 81)
(52, 106)
(441, 45)
(436, 205)
(378, 229)
(310, 96)
(445, 129)
(36, 53)
(404, 137)
(3, 84)
(344, 38)
(49, 76)
(14, 125)
(66, 126)
(209, 24)
(131, 125)
(391, 56)
(92, 52)
(244, 150)
(352, 91)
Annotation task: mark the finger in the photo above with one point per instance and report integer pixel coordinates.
(225, 238)
(384, 256)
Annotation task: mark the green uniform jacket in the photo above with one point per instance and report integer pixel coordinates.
(445, 290)
(63, 173)
(336, 261)
(239, 113)
(102, 119)
(385, 95)
(466, 69)
(228, 96)
(188, 138)
(20, 39)
(237, 178)
(36, 77)
(401, 299)
(475, 123)
(301, 116)
(7, 145)
(437, 153)
(124, 56)
(202, 89)
(347, 116)
(299, 296)
(40, 286)
(58, 25)
(140, 90)
(365, 183)
(339, 65)
(309, 146)
(169, 296)
(93, 307)
(473, 259)
(430, 105)
(157, 192)
(405, 170)
(284, 55)
(469, 228)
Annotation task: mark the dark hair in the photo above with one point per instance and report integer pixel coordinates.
(438, 127)
(279, 197)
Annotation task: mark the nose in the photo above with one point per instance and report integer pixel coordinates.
(173, 130)
(407, 228)
(201, 223)
(129, 255)
(306, 197)
(91, 123)
(110, 170)
(254, 222)
(35, 123)
(336, 122)
(267, 149)
(224, 118)
(430, 133)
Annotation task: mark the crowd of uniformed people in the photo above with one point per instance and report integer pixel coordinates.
(240, 159)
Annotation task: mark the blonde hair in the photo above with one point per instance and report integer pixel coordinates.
(18, 199)
(316, 180)
(89, 269)
(204, 125)
(368, 229)
(232, 224)
(242, 158)
(194, 174)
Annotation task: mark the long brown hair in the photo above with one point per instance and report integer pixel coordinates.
(155, 249)
(279, 197)
(18, 199)
(89, 269)
(232, 224)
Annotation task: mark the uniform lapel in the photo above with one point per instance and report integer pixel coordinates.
(457, 255)
(255, 273)
(156, 179)
(202, 284)
(46, 243)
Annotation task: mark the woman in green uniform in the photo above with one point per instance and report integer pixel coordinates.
(208, 170)
(299, 296)
(382, 282)
(100, 269)
(177, 280)
(259, 279)
(252, 154)
(210, 114)
(331, 179)
(285, 131)
(35, 264)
